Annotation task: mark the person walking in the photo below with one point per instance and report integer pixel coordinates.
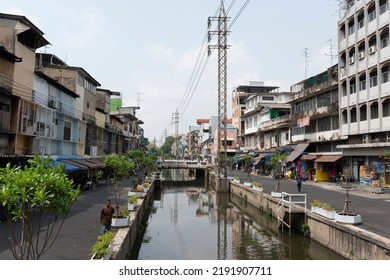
(106, 216)
(299, 183)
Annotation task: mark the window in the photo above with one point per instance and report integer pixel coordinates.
(344, 117)
(352, 86)
(373, 79)
(324, 124)
(386, 108)
(353, 115)
(335, 122)
(363, 113)
(351, 27)
(374, 110)
(268, 98)
(361, 20)
(385, 74)
(67, 128)
(384, 40)
(371, 13)
(362, 83)
(383, 6)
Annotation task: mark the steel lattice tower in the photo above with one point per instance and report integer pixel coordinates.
(222, 47)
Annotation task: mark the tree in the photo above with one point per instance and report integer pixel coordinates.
(119, 166)
(276, 161)
(248, 164)
(37, 199)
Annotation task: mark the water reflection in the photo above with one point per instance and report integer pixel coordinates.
(192, 222)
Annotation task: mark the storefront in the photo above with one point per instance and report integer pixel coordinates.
(368, 164)
(328, 166)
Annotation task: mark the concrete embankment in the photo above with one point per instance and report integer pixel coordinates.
(347, 240)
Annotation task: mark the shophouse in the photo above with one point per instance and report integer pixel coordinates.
(364, 60)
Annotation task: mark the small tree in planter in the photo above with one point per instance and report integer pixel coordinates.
(120, 166)
(276, 161)
(39, 197)
(248, 164)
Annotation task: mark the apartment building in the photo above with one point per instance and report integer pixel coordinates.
(364, 81)
(264, 105)
(19, 39)
(315, 127)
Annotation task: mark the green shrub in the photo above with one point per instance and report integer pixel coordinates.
(100, 247)
(317, 203)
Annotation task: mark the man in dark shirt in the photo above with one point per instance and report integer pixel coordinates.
(106, 216)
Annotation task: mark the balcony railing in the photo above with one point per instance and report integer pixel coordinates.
(275, 122)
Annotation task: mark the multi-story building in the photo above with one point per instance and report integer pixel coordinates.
(19, 39)
(50, 108)
(315, 126)
(364, 81)
(263, 105)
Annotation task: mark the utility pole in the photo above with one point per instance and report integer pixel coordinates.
(175, 122)
(222, 47)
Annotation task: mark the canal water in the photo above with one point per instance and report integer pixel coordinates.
(189, 221)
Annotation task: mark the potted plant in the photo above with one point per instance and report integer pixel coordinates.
(323, 209)
(99, 249)
(248, 164)
(257, 186)
(277, 161)
(119, 166)
(132, 202)
(146, 187)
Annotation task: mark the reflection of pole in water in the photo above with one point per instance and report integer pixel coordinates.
(221, 204)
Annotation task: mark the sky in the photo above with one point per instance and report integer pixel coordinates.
(155, 52)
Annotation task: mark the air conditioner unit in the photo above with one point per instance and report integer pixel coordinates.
(361, 55)
(53, 104)
(352, 60)
(372, 49)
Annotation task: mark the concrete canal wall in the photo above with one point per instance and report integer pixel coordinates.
(349, 241)
(126, 237)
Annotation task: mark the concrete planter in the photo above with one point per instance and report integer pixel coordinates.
(348, 219)
(276, 194)
(120, 222)
(257, 188)
(322, 212)
(131, 206)
(247, 184)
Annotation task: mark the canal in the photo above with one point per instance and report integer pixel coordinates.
(189, 221)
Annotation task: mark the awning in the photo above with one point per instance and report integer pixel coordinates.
(99, 163)
(68, 167)
(257, 159)
(328, 158)
(297, 152)
(74, 162)
(308, 157)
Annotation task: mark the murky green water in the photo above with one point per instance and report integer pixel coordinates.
(189, 222)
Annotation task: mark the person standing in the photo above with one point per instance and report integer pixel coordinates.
(299, 183)
(106, 216)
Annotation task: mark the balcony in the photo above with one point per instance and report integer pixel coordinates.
(275, 123)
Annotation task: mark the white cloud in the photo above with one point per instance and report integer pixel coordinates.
(161, 52)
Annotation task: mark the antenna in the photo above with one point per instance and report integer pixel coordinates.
(306, 55)
(138, 98)
(331, 52)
